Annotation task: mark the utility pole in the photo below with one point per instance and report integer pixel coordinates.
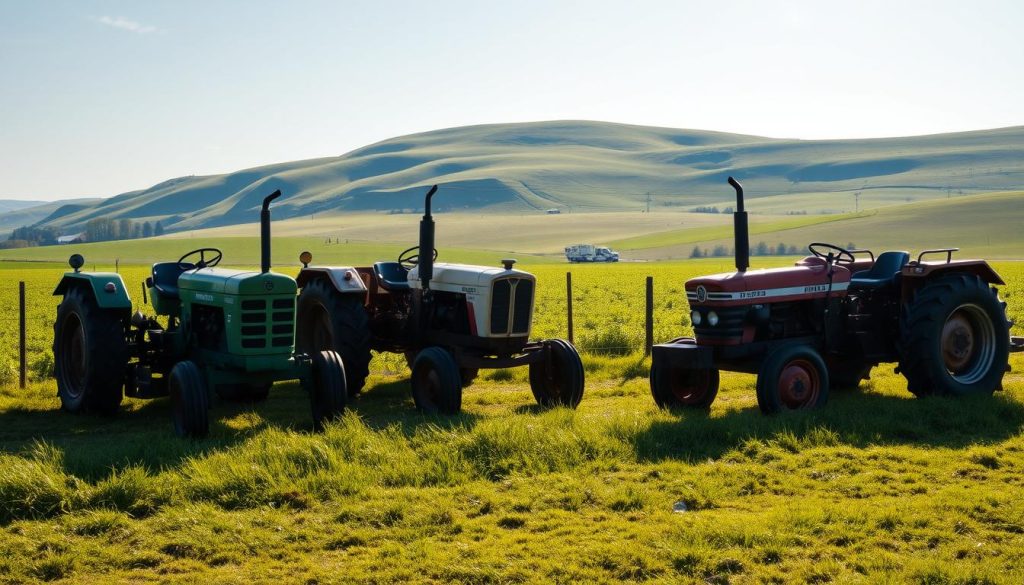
(648, 202)
(856, 204)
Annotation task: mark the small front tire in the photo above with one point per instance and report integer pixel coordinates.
(436, 382)
(558, 380)
(326, 387)
(793, 377)
(190, 400)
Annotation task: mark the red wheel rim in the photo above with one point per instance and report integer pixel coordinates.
(690, 386)
(957, 342)
(799, 384)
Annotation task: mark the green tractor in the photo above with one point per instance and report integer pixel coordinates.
(229, 333)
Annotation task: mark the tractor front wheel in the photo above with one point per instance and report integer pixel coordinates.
(327, 319)
(954, 338)
(190, 400)
(675, 387)
(90, 354)
(558, 380)
(326, 386)
(436, 382)
(792, 377)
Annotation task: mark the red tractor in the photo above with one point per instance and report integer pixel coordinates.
(826, 321)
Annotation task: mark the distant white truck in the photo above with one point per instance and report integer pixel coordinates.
(590, 253)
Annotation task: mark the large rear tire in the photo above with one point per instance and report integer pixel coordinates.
(327, 319)
(954, 338)
(190, 400)
(326, 386)
(792, 377)
(436, 382)
(90, 354)
(558, 380)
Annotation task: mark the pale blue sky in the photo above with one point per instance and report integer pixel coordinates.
(101, 97)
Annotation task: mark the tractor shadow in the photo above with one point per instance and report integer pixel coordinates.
(855, 418)
(390, 403)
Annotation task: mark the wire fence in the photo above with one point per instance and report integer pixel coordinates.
(28, 311)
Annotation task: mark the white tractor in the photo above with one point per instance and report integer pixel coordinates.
(449, 320)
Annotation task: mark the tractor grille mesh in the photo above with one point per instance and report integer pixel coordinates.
(257, 321)
(511, 302)
(730, 323)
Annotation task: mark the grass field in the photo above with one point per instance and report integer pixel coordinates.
(876, 487)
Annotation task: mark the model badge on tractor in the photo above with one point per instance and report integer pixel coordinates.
(450, 320)
(229, 332)
(825, 322)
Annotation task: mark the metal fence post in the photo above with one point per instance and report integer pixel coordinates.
(21, 332)
(649, 324)
(568, 298)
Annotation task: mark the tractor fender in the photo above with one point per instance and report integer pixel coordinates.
(107, 288)
(345, 279)
(916, 274)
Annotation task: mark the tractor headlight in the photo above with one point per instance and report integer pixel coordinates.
(712, 318)
(695, 317)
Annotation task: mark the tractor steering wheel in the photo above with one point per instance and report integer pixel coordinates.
(840, 255)
(203, 262)
(407, 259)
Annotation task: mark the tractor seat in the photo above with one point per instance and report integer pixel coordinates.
(165, 278)
(882, 273)
(391, 276)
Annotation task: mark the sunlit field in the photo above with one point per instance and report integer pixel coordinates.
(876, 487)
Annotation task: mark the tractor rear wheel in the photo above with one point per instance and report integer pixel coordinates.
(792, 377)
(90, 354)
(954, 338)
(436, 382)
(558, 380)
(327, 319)
(326, 387)
(190, 400)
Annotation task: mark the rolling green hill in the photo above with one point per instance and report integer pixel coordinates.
(580, 166)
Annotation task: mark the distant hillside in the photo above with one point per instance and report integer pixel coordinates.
(585, 166)
(36, 211)
(8, 205)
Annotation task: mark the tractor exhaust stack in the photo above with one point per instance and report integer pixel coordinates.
(740, 231)
(265, 231)
(426, 251)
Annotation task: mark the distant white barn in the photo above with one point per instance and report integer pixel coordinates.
(71, 239)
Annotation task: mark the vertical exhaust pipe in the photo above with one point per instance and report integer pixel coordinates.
(265, 231)
(740, 232)
(426, 251)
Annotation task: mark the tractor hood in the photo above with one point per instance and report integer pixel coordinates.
(464, 275)
(236, 282)
(808, 278)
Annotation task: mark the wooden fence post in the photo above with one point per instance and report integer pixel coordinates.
(568, 298)
(21, 333)
(649, 324)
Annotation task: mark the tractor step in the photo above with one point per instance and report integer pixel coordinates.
(1016, 344)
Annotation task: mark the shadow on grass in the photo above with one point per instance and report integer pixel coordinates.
(857, 419)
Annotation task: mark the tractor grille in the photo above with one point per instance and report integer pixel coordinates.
(730, 323)
(511, 303)
(268, 326)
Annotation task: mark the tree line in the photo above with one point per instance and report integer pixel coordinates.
(101, 229)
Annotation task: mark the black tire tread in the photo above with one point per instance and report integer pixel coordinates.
(351, 330)
(326, 386)
(107, 349)
(440, 359)
(194, 402)
(928, 305)
(573, 376)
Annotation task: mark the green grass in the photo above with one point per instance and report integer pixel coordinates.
(877, 487)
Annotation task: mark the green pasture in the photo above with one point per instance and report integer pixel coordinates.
(878, 487)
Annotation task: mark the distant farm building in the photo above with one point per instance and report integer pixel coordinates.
(553, 211)
(71, 239)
